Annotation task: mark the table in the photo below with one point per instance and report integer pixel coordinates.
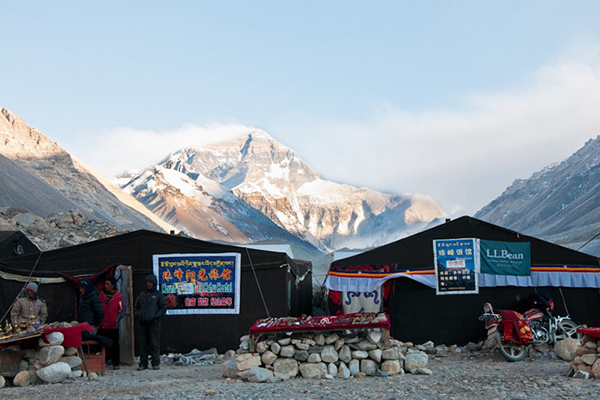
(72, 334)
(356, 321)
(591, 332)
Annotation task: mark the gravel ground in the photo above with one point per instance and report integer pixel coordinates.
(475, 377)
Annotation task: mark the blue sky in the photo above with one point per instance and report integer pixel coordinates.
(453, 99)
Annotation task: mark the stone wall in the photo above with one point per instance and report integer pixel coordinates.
(584, 355)
(326, 356)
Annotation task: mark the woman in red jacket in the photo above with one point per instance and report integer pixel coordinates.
(114, 310)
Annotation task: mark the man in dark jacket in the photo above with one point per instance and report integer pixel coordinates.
(149, 306)
(91, 311)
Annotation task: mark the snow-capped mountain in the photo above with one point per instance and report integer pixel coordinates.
(51, 180)
(560, 203)
(256, 170)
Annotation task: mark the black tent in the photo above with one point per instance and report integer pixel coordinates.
(418, 314)
(280, 278)
(15, 243)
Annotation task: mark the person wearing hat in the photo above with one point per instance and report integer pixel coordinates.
(28, 304)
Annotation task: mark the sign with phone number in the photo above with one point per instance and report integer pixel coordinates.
(199, 283)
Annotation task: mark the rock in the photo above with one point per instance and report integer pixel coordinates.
(70, 351)
(33, 378)
(23, 365)
(287, 351)
(55, 373)
(320, 339)
(354, 367)
(369, 367)
(424, 371)
(332, 369)
(390, 354)
(392, 367)
(589, 359)
(329, 355)
(375, 355)
(2, 382)
(315, 349)
(360, 375)
(374, 337)
(360, 354)
(314, 358)
(301, 355)
(581, 375)
(54, 339)
(247, 361)
(338, 344)
(210, 392)
(22, 379)
(345, 354)
(429, 345)
(258, 374)
(473, 346)
(343, 371)
(595, 370)
(332, 338)
(245, 338)
(591, 345)
(415, 360)
(284, 341)
(285, 368)
(268, 357)
(93, 376)
(73, 361)
(275, 348)
(51, 354)
(353, 339)
(313, 370)
(366, 345)
(309, 341)
(76, 374)
(229, 369)
(245, 346)
(261, 347)
(584, 350)
(566, 348)
(303, 346)
(229, 354)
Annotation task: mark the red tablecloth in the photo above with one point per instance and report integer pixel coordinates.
(327, 323)
(592, 332)
(72, 334)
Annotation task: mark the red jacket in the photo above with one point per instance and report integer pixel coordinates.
(113, 310)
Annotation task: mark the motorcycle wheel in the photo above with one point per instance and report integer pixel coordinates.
(568, 330)
(512, 351)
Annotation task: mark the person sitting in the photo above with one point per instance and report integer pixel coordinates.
(28, 304)
(91, 311)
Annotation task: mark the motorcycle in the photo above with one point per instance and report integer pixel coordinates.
(513, 332)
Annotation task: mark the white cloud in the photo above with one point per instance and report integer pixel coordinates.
(463, 156)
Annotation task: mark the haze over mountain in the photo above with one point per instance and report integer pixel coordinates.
(41, 177)
(560, 203)
(218, 189)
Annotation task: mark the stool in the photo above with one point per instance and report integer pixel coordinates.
(93, 362)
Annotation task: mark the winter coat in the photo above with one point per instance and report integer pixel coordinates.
(90, 306)
(150, 305)
(114, 309)
(25, 307)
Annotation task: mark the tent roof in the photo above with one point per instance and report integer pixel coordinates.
(416, 251)
(135, 248)
(10, 240)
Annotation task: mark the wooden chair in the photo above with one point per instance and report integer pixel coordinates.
(93, 361)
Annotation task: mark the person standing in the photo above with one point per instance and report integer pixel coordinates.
(114, 310)
(150, 306)
(27, 305)
(91, 311)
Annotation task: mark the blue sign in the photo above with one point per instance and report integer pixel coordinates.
(456, 266)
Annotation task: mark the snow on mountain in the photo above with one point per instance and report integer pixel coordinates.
(68, 183)
(560, 203)
(272, 179)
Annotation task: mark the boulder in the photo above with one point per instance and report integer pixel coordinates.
(261, 347)
(22, 379)
(314, 358)
(54, 339)
(415, 360)
(374, 337)
(301, 355)
(369, 367)
(76, 374)
(332, 369)
(339, 343)
(360, 354)
(345, 354)
(285, 368)
(566, 348)
(366, 345)
(589, 359)
(375, 355)
(284, 341)
(2, 382)
(320, 339)
(54, 373)
(287, 351)
(70, 351)
(229, 369)
(303, 346)
(390, 354)
(313, 370)
(595, 370)
(332, 338)
(354, 367)
(343, 371)
(257, 374)
(275, 348)
(247, 361)
(392, 367)
(51, 354)
(329, 355)
(73, 361)
(268, 357)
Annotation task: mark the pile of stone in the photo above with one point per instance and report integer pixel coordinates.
(47, 362)
(330, 356)
(584, 356)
